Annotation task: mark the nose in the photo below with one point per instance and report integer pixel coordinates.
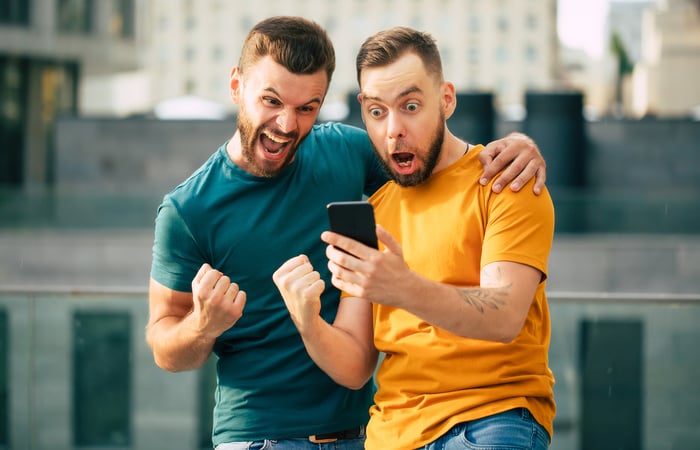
(287, 120)
(395, 127)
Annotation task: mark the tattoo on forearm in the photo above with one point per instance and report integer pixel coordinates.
(481, 298)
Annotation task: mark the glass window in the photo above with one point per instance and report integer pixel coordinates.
(190, 86)
(75, 16)
(101, 379)
(15, 12)
(4, 357)
(530, 54)
(531, 21)
(121, 24)
(190, 54)
(217, 53)
(207, 387)
(474, 24)
(501, 54)
(612, 361)
(502, 24)
(473, 55)
(14, 74)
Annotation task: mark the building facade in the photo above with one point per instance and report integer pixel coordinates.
(47, 47)
(194, 44)
(663, 83)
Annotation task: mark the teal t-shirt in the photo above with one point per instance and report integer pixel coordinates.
(246, 227)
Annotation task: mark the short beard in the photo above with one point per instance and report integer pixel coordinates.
(249, 136)
(429, 162)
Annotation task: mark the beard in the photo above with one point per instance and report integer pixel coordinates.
(428, 161)
(250, 135)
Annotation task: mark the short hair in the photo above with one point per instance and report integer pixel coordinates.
(385, 47)
(298, 44)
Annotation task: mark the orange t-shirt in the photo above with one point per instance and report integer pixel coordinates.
(430, 380)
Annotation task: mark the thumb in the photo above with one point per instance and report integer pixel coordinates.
(390, 244)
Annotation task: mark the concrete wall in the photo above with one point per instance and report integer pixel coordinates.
(622, 155)
(637, 176)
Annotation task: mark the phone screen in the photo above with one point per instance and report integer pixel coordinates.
(355, 220)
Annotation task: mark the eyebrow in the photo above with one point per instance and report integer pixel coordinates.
(402, 94)
(316, 100)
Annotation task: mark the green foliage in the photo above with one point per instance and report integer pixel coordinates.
(617, 47)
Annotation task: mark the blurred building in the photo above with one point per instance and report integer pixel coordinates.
(194, 44)
(663, 84)
(653, 48)
(47, 47)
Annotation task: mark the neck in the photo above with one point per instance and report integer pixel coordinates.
(453, 148)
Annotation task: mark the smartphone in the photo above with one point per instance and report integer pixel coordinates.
(355, 220)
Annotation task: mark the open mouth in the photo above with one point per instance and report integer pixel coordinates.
(402, 159)
(274, 145)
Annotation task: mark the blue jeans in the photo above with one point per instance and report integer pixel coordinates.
(510, 430)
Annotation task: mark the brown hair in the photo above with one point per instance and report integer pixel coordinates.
(387, 46)
(298, 44)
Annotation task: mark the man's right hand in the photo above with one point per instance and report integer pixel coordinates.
(217, 302)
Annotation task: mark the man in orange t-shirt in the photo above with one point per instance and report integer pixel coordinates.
(457, 289)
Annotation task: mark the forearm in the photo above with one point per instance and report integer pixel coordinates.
(177, 346)
(347, 360)
(486, 313)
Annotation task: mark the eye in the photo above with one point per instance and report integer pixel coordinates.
(307, 109)
(375, 112)
(272, 101)
(412, 107)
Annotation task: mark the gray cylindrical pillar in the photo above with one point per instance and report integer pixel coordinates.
(474, 117)
(354, 112)
(555, 121)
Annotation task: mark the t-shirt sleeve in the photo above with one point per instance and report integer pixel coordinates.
(520, 228)
(176, 256)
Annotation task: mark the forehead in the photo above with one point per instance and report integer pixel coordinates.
(405, 74)
(266, 75)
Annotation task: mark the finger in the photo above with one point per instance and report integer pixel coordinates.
(525, 176)
(232, 292)
(516, 174)
(221, 286)
(489, 152)
(540, 179)
(299, 280)
(338, 256)
(388, 240)
(200, 273)
(315, 289)
(238, 300)
(500, 160)
(288, 266)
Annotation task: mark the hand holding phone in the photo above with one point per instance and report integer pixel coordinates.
(354, 219)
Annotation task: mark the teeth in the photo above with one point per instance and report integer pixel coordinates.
(276, 139)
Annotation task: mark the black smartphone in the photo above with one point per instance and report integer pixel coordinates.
(355, 220)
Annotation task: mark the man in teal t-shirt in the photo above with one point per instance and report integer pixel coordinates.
(257, 201)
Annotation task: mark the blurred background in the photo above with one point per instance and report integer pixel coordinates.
(106, 105)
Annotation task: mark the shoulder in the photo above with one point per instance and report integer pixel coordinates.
(196, 184)
(339, 132)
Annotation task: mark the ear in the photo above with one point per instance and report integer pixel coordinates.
(234, 84)
(362, 113)
(449, 98)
